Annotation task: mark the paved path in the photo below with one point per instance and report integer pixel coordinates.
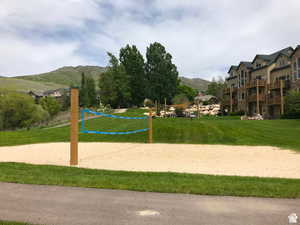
(53, 205)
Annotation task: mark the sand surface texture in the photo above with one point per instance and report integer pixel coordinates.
(262, 161)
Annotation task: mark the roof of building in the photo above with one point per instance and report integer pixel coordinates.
(272, 57)
(296, 49)
(233, 67)
(36, 93)
(246, 63)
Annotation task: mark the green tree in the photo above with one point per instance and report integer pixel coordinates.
(114, 85)
(189, 92)
(19, 111)
(180, 99)
(91, 91)
(216, 88)
(66, 102)
(134, 65)
(83, 92)
(292, 105)
(161, 73)
(51, 105)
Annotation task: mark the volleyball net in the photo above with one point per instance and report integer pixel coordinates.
(111, 124)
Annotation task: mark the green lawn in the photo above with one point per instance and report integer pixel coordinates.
(150, 181)
(12, 223)
(226, 130)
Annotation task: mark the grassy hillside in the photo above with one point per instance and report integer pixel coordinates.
(72, 75)
(68, 75)
(228, 131)
(14, 84)
(196, 83)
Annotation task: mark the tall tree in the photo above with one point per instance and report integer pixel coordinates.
(83, 93)
(216, 88)
(161, 73)
(292, 105)
(134, 65)
(91, 91)
(114, 84)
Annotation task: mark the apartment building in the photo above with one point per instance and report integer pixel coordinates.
(259, 86)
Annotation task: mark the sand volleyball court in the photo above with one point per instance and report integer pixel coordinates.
(259, 161)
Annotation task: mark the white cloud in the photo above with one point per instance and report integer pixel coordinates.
(20, 57)
(204, 37)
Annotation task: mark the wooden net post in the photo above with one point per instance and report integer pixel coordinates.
(74, 127)
(150, 138)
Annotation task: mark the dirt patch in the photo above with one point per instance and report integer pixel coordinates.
(262, 161)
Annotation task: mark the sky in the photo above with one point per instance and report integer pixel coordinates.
(204, 37)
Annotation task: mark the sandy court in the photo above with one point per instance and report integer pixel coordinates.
(260, 161)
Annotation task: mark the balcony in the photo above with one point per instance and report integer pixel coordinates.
(276, 84)
(227, 102)
(227, 90)
(254, 83)
(253, 98)
(276, 100)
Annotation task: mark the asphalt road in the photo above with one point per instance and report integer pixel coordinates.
(53, 205)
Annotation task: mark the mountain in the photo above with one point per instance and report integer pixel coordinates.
(196, 83)
(27, 85)
(69, 75)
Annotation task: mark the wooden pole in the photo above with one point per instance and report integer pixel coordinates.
(281, 97)
(74, 127)
(257, 98)
(150, 134)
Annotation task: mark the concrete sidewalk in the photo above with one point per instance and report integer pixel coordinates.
(53, 205)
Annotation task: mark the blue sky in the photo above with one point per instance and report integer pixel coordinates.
(204, 37)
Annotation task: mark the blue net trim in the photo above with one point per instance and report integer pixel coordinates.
(113, 133)
(114, 116)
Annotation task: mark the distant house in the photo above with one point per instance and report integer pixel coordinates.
(209, 99)
(58, 93)
(53, 93)
(37, 95)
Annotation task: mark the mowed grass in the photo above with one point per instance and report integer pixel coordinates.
(150, 181)
(13, 223)
(225, 130)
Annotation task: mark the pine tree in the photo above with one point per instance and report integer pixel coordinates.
(114, 85)
(83, 93)
(91, 91)
(161, 73)
(134, 65)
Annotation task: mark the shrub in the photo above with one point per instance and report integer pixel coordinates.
(51, 105)
(180, 99)
(238, 113)
(292, 105)
(19, 111)
(179, 112)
